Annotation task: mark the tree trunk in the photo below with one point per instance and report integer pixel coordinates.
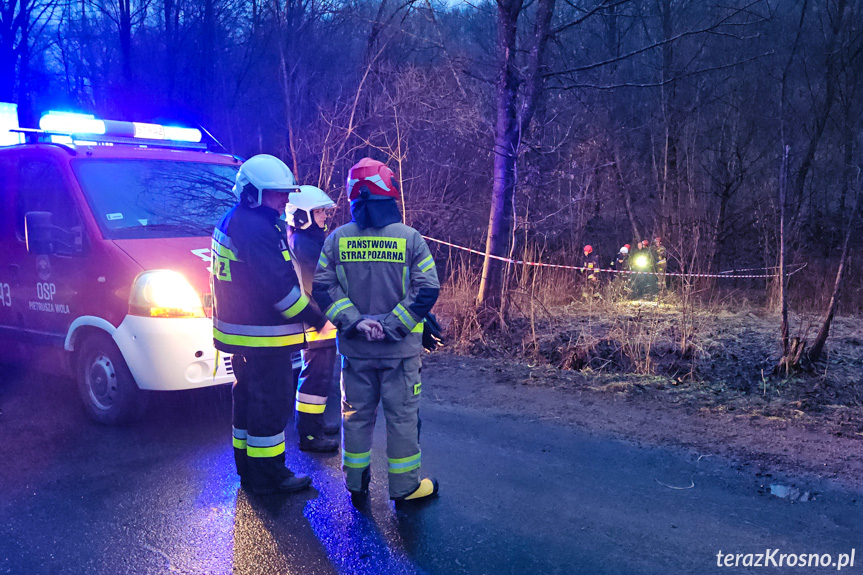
(490, 295)
(824, 331)
(783, 280)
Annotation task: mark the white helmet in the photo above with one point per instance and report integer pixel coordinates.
(624, 250)
(263, 172)
(298, 212)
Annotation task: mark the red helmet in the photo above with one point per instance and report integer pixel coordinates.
(588, 249)
(627, 246)
(657, 239)
(644, 243)
(371, 178)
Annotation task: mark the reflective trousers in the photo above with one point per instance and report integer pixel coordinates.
(313, 388)
(261, 409)
(396, 384)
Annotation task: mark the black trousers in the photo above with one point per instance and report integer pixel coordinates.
(261, 408)
(316, 378)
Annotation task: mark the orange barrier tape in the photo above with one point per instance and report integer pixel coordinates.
(611, 271)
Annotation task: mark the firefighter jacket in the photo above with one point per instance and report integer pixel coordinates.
(621, 262)
(658, 253)
(306, 245)
(258, 304)
(590, 262)
(384, 273)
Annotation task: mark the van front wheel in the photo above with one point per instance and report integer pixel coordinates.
(107, 388)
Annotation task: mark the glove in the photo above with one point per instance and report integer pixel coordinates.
(432, 333)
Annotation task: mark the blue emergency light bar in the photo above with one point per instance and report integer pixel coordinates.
(87, 124)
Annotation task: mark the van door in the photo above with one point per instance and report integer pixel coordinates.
(50, 284)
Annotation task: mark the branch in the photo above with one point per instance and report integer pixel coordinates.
(664, 82)
(654, 45)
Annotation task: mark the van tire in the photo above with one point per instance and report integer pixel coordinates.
(106, 385)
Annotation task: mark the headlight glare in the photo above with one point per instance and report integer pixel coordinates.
(164, 293)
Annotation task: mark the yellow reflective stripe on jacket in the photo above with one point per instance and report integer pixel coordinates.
(293, 303)
(297, 307)
(418, 328)
(323, 261)
(337, 307)
(223, 251)
(258, 340)
(426, 264)
(287, 255)
(314, 335)
(406, 318)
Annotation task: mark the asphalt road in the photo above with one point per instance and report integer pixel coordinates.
(518, 496)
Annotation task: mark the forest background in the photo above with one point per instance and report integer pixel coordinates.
(529, 127)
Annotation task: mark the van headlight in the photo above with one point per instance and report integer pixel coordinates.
(164, 293)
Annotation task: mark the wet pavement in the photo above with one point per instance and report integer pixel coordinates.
(518, 496)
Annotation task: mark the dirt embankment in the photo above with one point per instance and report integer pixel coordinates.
(714, 394)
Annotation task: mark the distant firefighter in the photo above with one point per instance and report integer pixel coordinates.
(660, 261)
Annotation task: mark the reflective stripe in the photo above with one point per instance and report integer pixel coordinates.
(265, 451)
(418, 328)
(295, 295)
(266, 446)
(405, 317)
(298, 307)
(323, 261)
(257, 330)
(287, 255)
(404, 464)
(310, 408)
(239, 438)
(314, 335)
(404, 282)
(313, 399)
(343, 279)
(426, 264)
(257, 340)
(337, 307)
(356, 460)
(223, 251)
(223, 239)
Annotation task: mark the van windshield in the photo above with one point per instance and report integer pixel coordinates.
(133, 199)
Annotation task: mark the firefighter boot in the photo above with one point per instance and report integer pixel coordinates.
(289, 482)
(318, 444)
(332, 429)
(268, 475)
(360, 498)
(428, 489)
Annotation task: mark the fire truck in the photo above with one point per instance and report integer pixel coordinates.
(105, 234)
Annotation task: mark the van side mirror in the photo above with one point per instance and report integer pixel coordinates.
(38, 233)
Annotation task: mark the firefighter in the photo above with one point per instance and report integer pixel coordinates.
(376, 281)
(590, 263)
(641, 261)
(621, 262)
(660, 261)
(258, 314)
(306, 214)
